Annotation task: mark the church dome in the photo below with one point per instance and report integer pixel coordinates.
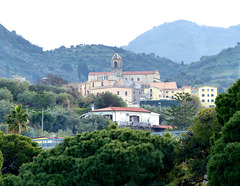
(116, 56)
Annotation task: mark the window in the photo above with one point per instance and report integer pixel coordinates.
(208, 100)
(203, 100)
(134, 119)
(138, 79)
(166, 91)
(134, 92)
(212, 90)
(203, 90)
(150, 90)
(150, 95)
(172, 97)
(93, 84)
(212, 95)
(126, 78)
(208, 90)
(108, 116)
(118, 93)
(166, 96)
(203, 95)
(172, 91)
(125, 93)
(194, 91)
(115, 64)
(106, 77)
(102, 83)
(212, 100)
(131, 79)
(208, 95)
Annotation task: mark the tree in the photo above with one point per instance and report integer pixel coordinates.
(5, 94)
(53, 80)
(26, 98)
(44, 99)
(64, 99)
(228, 103)
(16, 150)
(195, 147)
(108, 99)
(113, 157)
(17, 120)
(5, 107)
(181, 116)
(223, 166)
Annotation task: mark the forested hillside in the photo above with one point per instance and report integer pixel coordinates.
(20, 57)
(185, 41)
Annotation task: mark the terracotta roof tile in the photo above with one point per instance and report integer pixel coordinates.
(164, 85)
(124, 73)
(138, 72)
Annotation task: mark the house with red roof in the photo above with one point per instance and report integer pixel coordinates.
(129, 85)
(128, 116)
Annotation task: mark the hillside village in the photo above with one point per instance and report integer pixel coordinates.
(136, 86)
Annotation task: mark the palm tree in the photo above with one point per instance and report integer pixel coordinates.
(17, 120)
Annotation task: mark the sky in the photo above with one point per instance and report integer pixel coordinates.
(54, 23)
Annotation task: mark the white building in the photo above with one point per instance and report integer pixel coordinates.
(128, 115)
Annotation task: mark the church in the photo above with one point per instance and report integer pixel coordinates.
(117, 74)
(129, 85)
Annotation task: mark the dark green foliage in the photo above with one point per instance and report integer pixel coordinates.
(64, 99)
(41, 87)
(1, 164)
(44, 99)
(228, 103)
(224, 164)
(5, 107)
(82, 72)
(5, 94)
(48, 120)
(115, 157)
(16, 150)
(26, 98)
(181, 116)
(14, 86)
(92, 123)
(195, 146)
(109, 99)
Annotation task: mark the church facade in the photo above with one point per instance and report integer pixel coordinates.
(129, 85)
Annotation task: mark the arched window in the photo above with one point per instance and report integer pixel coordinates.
(115, 64)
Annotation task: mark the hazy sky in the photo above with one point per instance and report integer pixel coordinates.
(52, 23)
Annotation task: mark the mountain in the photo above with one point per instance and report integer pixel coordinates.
(19, 57)
(185, 41)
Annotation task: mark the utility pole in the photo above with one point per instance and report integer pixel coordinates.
(42, 120)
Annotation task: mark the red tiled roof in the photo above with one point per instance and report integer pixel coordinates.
(187, 87)
(164, 85)
(162, 126)
(127, 109)
(124, 73)
(99, 73)
(138, 72)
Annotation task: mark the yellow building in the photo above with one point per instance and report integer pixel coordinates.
(167, 90)
(207, 96)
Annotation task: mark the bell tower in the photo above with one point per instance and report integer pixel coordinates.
(116, 67)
